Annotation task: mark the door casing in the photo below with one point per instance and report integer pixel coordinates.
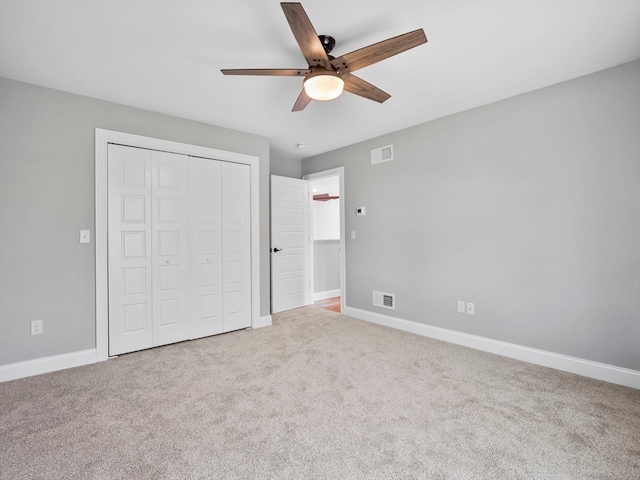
(334, 172)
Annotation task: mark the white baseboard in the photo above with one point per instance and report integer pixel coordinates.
(262, 322)
(37, 366)
(587, 368)
(328, 294)
(13, 371)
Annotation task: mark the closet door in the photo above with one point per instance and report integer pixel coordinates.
(236, 246)
(129, 247)
(170, 247)
(179, 255)
(205, 267)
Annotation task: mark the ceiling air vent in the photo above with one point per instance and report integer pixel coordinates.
(382, 154)
(384, 300)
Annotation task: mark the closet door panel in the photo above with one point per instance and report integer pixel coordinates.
(236, 246)
(170, 247)
(205, 232)
(129, 248)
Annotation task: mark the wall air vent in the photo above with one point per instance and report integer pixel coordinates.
(382, 154)
(384, 300)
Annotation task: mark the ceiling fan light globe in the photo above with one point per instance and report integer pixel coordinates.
(323, 87)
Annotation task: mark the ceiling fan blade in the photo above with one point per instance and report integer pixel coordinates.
(306, 35)
(276, 72)
(357, 86)
(379, 51)
(302, 101)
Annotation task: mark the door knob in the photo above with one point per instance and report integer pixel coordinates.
(277, 250)
(168, 262)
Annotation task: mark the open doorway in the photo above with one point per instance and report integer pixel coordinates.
(326, 191)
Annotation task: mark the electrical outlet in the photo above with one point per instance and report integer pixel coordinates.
(471, 308)
(36, 327)
(461, 307)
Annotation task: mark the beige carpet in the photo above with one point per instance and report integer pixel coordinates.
(318, 395)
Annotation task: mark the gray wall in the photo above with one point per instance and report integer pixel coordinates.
(47, 196)
(529, 207)
(285, 167)
(326, 265)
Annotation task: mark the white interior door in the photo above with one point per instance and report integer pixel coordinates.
(205, 220)
(170, 247)
(129, 239)
(179, 247)
(124, 266)
(289, 243)
(236, 246)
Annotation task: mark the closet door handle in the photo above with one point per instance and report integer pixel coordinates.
(168, 262)
(208, 260)
(276, 250)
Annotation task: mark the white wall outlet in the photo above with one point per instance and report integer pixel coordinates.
(85, 236)
(461, 307)
(471, 308)
(36, 327)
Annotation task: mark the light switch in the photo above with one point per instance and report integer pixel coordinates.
(353, 234)
(85, 236)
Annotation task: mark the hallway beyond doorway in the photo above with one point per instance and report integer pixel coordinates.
(332, 304)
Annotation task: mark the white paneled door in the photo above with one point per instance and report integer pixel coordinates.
(178, 247)
(169, 247)
(236, 246)
(129, 239)
(289, 243)
(205, 204)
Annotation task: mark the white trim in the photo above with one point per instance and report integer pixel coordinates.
(337, 172)
(324, 295)
(38, 366)
(54, 363)
(103, 138)
(587, 368)
(263, 322)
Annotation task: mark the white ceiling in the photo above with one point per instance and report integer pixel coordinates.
(166, 56)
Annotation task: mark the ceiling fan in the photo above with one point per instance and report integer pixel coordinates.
(326, 77)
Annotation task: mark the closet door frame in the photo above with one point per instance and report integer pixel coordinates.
(102, 139)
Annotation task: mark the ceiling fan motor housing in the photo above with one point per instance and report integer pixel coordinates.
(328, 42)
